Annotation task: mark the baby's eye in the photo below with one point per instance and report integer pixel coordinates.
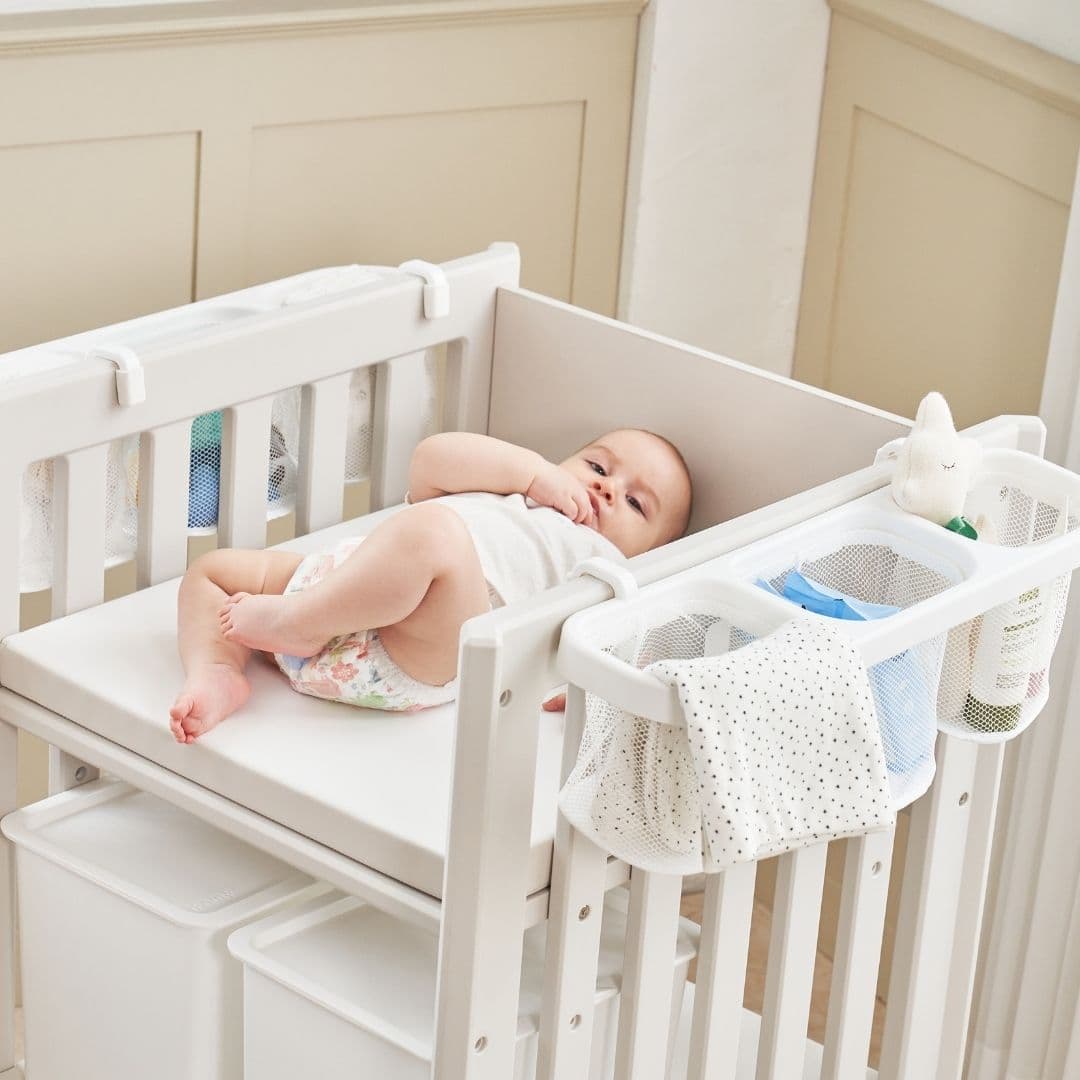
(633, 501)
(947, 467)
(597, 468)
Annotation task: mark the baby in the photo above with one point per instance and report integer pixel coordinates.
(376, 622)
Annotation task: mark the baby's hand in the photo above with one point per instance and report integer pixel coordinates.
(555, 487)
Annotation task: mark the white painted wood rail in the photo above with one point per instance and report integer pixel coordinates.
(164, 462)
(323, 437)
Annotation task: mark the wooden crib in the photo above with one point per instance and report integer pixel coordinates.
(453, 826)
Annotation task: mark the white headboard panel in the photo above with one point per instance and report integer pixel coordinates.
(562, 376)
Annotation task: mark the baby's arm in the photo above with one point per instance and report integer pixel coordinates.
(456, 461)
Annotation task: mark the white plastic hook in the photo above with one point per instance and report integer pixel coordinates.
(130, 382)
(621, 582)
(436, 287)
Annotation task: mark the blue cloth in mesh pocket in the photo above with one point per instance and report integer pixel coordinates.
(905, 699)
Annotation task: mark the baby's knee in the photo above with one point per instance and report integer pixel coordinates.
(211, 564)
(438, 534)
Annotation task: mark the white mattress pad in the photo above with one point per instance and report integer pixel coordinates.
(372, 785)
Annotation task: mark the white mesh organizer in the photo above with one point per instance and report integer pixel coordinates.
(916, 580)
(122, 472)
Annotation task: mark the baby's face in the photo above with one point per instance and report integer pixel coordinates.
(638, 488)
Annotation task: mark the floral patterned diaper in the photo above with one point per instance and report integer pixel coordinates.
(355, 668)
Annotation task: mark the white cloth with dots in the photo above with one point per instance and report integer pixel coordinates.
(781, 749)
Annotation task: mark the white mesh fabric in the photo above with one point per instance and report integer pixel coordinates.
(997, 667)
(36, 529)
(615, 774)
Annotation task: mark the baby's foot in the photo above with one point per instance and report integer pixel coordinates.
(210, 694)
(268, 623)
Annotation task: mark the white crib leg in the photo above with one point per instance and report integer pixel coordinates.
(9, 762)
(800, 878)
(928, 912)
(486, 877)
(972, 900)
(858, 954)
(645, 1006)
(721, 973)
(575, 912)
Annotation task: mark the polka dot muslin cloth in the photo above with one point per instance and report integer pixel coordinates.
(780, 749)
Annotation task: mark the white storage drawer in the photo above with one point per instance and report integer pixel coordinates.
(341, 990)
(125, 904)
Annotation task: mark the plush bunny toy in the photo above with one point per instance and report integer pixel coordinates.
(935, 466)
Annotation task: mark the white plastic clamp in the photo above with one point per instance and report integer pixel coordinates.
(436, 287)
(130, 382)
(621, 582)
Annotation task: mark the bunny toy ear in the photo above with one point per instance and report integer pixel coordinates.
(933, 414)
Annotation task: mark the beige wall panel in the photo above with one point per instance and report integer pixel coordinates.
(946, 281)
(433, 186)
(93, 232)
(941, 196)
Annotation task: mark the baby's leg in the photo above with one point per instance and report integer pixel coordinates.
(416, 579)
(215, 685)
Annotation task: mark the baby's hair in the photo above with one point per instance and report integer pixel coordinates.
(686, 472)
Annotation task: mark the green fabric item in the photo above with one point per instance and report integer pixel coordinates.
(962, 526)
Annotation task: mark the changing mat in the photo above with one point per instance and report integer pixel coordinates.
(374, 786)
(780, 749)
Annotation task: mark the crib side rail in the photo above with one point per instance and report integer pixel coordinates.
(69, 416)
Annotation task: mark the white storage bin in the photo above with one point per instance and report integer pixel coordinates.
(341, 991)
(125, 904)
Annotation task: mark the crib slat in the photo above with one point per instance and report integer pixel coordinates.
(645, 1009)
(245, 465)
(927, 919)
(800, 878)
(11, 480)
(972, 899)
(9, 746)
(852, 994)
(164, 463)
(721, 973)
(324, 418)
(578, 874)
(79, 530)
(398, 426)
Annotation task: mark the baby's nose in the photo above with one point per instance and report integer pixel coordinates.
(603, 486)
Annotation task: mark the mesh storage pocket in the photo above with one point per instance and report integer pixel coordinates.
(997, 667)
(876, 568)
(634, 784)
